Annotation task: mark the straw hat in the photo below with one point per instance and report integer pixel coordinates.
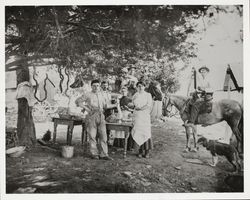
(204, 67)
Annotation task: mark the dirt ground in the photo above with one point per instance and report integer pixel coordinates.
(168, 170)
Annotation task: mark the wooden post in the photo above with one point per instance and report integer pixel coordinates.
(195, 80)
(227, 129)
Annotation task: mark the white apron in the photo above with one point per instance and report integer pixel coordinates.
(141, 131)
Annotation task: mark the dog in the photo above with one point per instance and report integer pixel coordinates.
(218, 148)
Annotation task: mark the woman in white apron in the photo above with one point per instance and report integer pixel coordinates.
(141, 132)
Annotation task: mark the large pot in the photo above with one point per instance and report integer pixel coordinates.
(15, 151)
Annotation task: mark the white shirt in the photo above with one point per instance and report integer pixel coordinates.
(204, 84)
(93, 100)
(107, 96)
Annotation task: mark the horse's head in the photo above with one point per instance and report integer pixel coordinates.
(167, 105)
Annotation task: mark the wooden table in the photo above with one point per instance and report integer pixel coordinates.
(126, 127)
(70, 122)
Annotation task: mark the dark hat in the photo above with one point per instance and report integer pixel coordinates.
(201, 140)
(140, 83)
(204, 67)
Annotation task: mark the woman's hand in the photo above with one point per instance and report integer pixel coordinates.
(130, 105)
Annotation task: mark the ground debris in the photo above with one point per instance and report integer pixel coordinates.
(46, 183)
(127, 174)
(145, 183)
(34, 169)
(27, 175)
(168, 170)
(39, 178)
(194, 161)
(164, 181)
(66, 162)
(25, 190)
(86, 179)
(77, 168)
(235, 182)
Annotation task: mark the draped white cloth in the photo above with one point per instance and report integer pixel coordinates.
(25, 90)
(141, 131)
(156, 111)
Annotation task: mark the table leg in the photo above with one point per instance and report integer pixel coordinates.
(84, 134)
(54, 133)
(126, 144)
(69, 134)
(67, 137)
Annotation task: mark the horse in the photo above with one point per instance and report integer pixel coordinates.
(229, 110)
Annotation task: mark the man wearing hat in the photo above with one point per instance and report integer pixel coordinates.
(206, 91)
(203, 83)
(131, 75)
(131, 80)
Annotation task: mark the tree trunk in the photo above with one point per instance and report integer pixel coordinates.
(25, 125)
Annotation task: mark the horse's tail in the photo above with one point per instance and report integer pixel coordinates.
(241, 129)
(241, 126)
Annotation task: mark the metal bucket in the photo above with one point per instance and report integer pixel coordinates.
(67, 151)
(190, 130)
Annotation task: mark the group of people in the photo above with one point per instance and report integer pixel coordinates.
(145, 102)
(99, 106)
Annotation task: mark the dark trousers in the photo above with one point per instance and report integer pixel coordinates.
(195, 110)
(146, 146)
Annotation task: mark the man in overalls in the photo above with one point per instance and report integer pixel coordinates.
(94, 103)
(204, 87)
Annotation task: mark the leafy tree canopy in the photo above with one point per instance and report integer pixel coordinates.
(104, 39)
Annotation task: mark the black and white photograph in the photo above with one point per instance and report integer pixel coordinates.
(122, 99)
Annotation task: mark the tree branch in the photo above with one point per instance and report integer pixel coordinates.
(31, 60)
(100, 29)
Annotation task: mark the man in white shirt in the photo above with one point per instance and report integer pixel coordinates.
(107, 96)
(94, 103)
(203, 87)
(203, 82)
(105, 92)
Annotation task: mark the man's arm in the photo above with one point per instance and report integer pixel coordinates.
(80, 102)
(109, 105)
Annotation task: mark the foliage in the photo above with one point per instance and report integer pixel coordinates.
(101, 40)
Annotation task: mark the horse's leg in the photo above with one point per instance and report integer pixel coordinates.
(238, 135)
(195, 138)
(239, 138)
(188, 140)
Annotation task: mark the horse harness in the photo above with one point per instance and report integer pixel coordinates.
(184, 107)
